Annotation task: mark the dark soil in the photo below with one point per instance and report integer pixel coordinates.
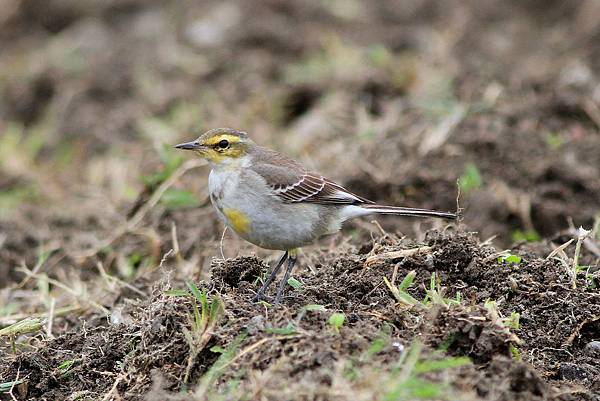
(148, 350)
(394, 99)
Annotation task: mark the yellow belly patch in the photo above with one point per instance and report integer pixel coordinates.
(237, 220)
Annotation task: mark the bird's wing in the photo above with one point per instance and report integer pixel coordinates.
(293, 184)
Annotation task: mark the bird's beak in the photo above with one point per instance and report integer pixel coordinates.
(194, 145)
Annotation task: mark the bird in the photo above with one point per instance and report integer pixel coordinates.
(274, 202)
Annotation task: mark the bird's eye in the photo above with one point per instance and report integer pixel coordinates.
(223, 144)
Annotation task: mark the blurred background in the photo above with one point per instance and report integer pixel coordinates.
(397, 100)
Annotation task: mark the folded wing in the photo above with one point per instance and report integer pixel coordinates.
(291, 183)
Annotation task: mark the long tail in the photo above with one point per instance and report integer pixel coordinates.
(407, 211)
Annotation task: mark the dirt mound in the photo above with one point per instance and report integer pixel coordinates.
(395, 100)
(144, 350)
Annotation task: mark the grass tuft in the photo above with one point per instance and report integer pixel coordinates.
(336, 321)
(400, 292)
(407, 381)
(470, 178)
(25, 326)
(509, 258)
(203, 321)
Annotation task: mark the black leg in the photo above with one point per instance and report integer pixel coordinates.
(260, 294)
(288, 272)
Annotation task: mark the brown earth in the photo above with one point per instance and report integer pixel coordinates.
(100, 221)
(147, 350)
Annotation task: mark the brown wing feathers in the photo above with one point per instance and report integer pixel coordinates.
(306, 187)
(292, 183)
(317, 189)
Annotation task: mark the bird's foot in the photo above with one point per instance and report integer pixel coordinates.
(262, 297)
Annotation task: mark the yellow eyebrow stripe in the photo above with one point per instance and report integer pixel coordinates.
(218, 138)
(237, 220)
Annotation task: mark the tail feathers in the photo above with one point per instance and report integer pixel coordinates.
(407, 211)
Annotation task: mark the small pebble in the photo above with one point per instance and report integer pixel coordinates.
(398, 346)
(256, 324)
(573, 371)
(593, 349)
(430, 261)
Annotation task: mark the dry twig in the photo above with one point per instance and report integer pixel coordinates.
(132, 223)
(403, 253)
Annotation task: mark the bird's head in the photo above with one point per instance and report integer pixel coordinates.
(220, 146)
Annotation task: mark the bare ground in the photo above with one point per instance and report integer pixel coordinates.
(102, 225)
